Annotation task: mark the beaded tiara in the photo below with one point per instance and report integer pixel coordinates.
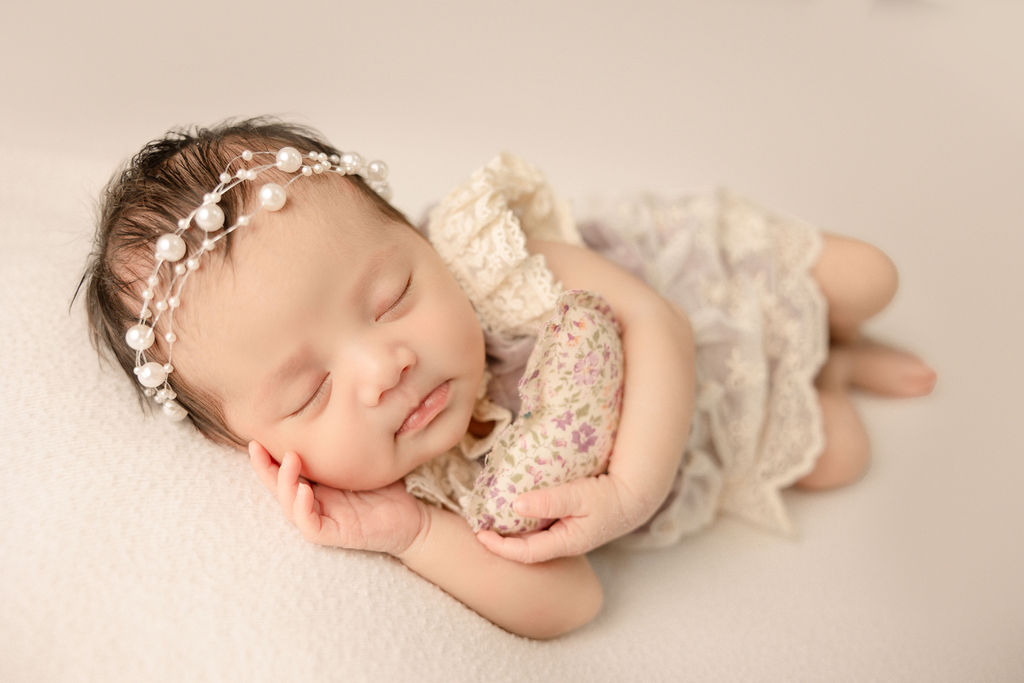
(209, 217)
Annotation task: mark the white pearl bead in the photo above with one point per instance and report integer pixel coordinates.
(139, 337)
(147, 294)
(183, 223)
(225, 177)
(243, 220)
(151, 374)
(247, 155)
(168, 368)
(173, 301)
(272, 196)
(173, 411)
(180, 269)
(376, 170)
(381, 188)
(306, 170)
(210, 217)
(318, 168)
(161, 306)
(171, 337)
(152, 280)
(192, 263)
(289, 159)
(352, 162)
(170, 247)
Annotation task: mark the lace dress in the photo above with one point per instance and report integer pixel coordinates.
(740, 273)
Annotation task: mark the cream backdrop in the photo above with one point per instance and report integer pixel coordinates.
(131, 550)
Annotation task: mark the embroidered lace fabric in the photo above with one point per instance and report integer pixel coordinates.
(480, 231)
(742, 275)
(739, 272)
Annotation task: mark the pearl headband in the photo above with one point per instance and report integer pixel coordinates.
(209, 217)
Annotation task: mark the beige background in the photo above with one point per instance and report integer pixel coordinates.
(896, 121)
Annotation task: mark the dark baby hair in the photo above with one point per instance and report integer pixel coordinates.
(145, 199)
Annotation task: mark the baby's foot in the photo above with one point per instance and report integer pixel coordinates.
(888, 371)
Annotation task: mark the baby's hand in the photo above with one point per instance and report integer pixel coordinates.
(386, 520)
(590, 511)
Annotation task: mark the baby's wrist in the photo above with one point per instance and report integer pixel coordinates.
(415, 546)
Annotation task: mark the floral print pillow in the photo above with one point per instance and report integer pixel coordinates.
(571, 395)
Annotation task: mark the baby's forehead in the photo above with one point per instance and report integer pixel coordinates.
(321, 224)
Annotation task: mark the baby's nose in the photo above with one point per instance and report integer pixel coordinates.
(385, 372)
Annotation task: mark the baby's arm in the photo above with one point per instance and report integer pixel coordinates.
(537, 601)
(656, 410)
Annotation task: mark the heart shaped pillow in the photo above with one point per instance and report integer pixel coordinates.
(571, 393)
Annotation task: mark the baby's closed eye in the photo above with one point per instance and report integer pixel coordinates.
(394, 302)
(322, 391)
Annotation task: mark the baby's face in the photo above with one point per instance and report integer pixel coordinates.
(338, 334)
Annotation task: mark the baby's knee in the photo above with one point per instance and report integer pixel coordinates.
(858, 279)
(881, 278)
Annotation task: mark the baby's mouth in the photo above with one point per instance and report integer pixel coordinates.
(432, 404)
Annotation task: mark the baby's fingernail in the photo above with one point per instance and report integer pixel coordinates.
(520, 507)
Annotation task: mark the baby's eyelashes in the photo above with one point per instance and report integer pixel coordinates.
(322, 391)
(396, 302)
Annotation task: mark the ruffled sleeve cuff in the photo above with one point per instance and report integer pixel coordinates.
(480, 232)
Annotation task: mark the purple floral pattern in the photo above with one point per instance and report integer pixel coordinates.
(571, 394)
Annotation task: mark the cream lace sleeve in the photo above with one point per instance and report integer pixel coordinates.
(480, 231)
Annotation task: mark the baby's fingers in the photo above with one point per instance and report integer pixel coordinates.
(556, 502)
(288, 482)
(538, 547)
(306, 514)
(265, 467)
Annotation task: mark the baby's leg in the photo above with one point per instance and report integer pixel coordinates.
(857, 279)
(867, 365)
(847, 450)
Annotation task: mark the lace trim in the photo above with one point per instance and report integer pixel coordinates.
(796, 346)
(480, 231)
